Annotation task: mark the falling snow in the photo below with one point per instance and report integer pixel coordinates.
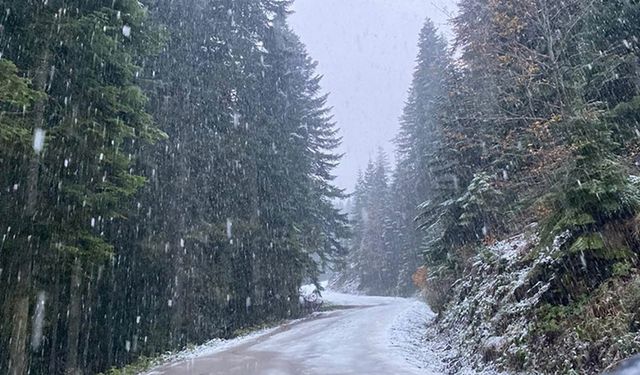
(175, 173)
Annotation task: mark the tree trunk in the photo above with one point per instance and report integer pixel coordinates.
(179, 158)
(55, 318)
(54, 321)
(73, 324)
(177, 297)
(87, 321)
(111, 358)
(20, 311)
(17, 348)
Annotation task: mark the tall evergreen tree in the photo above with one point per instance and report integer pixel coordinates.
(417, 143)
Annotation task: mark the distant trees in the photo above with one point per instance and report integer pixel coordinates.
(387, 248)
(372, 260)
(166, 177)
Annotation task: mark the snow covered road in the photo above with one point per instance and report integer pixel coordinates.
(366, 338)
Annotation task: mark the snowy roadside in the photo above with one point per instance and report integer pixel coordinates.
(413, 335)
(406, 337)
(211, 347)
(217, 345)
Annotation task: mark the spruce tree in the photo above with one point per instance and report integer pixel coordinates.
(417, 144)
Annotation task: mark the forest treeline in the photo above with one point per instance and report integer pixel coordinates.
(529, 116)
(165, 174)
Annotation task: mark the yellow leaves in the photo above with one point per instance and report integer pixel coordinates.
(510, 26)
(419, 277)
(504, 59)
(505, 19)
(556, 118)
(542, 210)
(533, 69)
(542, 128)
(489, 240)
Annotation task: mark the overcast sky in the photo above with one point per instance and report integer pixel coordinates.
(366, 51)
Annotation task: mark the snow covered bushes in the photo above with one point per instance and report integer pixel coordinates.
(504, 313)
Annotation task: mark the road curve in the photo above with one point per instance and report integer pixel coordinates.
(352, 341)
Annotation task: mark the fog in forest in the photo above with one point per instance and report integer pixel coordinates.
(366, 51)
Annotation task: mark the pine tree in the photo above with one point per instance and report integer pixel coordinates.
(417, 145)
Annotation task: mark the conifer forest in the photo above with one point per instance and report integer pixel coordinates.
(168, 191)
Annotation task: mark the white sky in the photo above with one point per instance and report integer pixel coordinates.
(366, 51)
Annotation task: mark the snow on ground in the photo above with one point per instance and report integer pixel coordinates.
(407, 337)
(210, 348)
(342, 299)
(630, 367)
(368, 335)
(351, 341)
